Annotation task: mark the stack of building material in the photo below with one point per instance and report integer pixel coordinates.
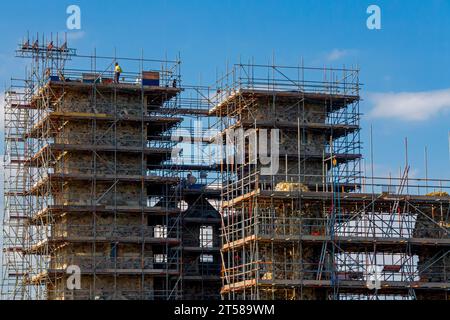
(150, 78)
(291, 186)
(437, 194)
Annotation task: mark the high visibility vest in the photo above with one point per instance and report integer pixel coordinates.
(118, 69)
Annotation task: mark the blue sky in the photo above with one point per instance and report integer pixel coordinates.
(404, 66)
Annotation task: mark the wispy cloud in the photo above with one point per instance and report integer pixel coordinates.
(337, 54)
(409, 106)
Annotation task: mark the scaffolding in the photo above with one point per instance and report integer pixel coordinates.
(134, 181)
(316, 227)
(88, 178)
(201, 189)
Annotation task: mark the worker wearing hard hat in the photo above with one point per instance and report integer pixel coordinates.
(117, 72)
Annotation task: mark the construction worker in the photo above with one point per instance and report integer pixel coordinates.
(117, 72)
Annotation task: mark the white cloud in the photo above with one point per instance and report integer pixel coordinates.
(409, 106)
(337, 54)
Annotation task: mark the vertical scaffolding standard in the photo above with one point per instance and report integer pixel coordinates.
(314, 228)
